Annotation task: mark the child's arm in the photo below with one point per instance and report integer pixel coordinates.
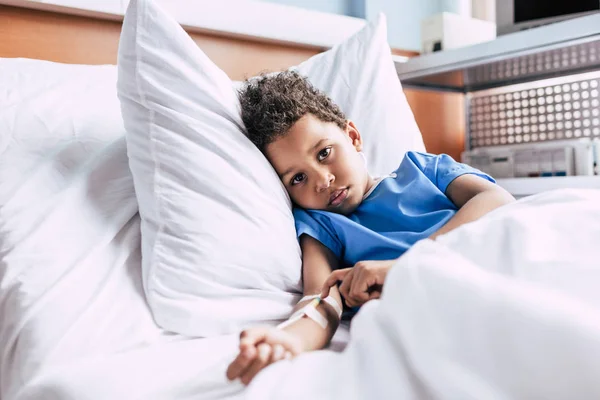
(260, 347)
(317, 263)
(475, 197)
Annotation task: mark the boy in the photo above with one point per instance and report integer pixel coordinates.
(344, 217)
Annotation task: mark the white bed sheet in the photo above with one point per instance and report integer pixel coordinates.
(185, 369)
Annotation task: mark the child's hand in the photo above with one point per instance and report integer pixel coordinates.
(361, 283)
(259, 348)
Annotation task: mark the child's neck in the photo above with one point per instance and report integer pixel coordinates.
(370, 182)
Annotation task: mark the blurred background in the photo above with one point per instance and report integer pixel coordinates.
(404, 16)
(508, 86)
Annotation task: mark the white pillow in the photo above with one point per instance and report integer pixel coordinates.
(218, 241)
(359, 75)
(219, 250)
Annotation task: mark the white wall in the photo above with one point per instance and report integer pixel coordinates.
(330, 6)
(404, 16)
(404, 19)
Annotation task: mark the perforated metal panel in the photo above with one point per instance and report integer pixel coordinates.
(543, 63)
(553, 109)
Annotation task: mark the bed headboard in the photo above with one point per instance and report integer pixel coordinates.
(82, 40)
(78, 39)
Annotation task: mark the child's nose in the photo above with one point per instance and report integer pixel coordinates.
(324, 182)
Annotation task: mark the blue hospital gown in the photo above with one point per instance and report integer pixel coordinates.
(409, 205)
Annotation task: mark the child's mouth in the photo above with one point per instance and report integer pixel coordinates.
(338, 197)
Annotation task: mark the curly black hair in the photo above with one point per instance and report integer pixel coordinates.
(272, 103)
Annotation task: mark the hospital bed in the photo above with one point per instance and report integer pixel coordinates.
(77, 324)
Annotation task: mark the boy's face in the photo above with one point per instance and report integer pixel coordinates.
(320, 166)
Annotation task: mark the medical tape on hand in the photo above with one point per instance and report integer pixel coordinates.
(310, 310)
(310, 297)
(316, 316)
(331, 301)
(287, 323)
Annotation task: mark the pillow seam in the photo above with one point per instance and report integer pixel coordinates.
(152, 149)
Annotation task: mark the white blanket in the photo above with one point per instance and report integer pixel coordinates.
(507, 307)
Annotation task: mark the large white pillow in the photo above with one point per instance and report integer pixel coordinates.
(218, 241)
(219, 250)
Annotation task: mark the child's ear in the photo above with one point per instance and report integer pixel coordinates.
(354, 135)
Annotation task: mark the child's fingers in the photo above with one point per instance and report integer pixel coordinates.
(241, 363)
(334, 277)
(251, 337)
(262, 360)
(375, 294)
(325, 291)
(357, 297)
(277, 337)
(347, 284)
(359, 289)
(278, 353)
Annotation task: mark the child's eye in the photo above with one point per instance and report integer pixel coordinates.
(323, 154)
(298, 178)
